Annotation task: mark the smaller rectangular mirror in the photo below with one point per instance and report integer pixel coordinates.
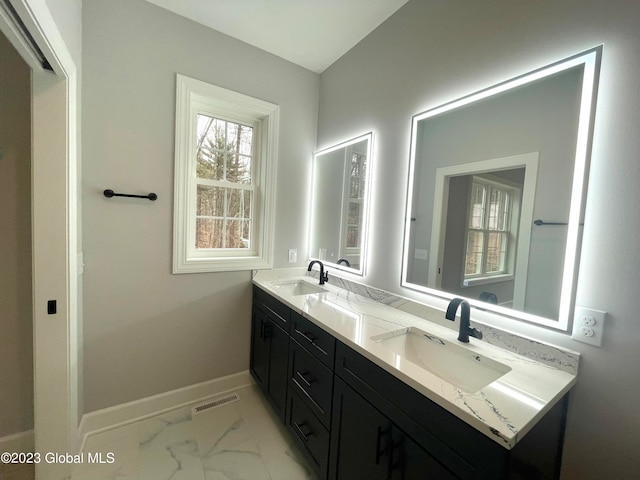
(340, 205)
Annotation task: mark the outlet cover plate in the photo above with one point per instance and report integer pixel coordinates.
(588, 325)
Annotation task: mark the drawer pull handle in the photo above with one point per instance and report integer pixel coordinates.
(307, 381)
(276, 314)
(306, 335)
(312, 340)
(304, 435)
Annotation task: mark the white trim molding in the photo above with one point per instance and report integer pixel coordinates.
(18, 442)
(193, 97)
(126, 413)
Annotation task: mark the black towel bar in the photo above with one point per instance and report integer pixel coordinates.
(542, 222)
(110, 193)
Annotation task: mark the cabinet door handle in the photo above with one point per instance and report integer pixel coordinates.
(267, 330)
(305, 435)
(399, 462)
(303, 377)
(381, 450)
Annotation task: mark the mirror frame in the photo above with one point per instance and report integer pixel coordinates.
(366, 202)
(590, 59)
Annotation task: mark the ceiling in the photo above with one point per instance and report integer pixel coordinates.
(309, 33)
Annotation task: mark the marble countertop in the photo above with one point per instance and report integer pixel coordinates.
(504, 410)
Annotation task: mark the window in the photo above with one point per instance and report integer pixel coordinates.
(493, 209)
(224, 180)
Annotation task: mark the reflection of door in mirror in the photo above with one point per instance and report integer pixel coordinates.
(481, 235)
(481, 228)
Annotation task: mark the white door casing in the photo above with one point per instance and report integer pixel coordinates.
(54, 231)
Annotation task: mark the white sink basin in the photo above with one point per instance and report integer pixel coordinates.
(298, 287)
(457, 365)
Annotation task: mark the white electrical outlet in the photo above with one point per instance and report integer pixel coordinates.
(588, 326)
(293, 255)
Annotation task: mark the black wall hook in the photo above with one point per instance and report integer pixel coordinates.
(110, 193)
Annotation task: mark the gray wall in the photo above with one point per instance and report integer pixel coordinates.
(432, 52)
(16, 324)
(147, 331)
(68, 17)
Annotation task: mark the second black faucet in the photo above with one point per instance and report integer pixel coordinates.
(324, 276)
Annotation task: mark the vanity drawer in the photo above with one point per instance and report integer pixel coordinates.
(309, 433)
(319, 343)
(275, 310)
(312, 381)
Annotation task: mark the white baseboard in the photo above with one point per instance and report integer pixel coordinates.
(18, 442)
(119, 415)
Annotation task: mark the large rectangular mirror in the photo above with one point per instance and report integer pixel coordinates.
(496, 193)
(340, 204)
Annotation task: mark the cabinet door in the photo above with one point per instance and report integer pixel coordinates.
(360, 437)
(259, 363)
(410, 461)
(278, 341)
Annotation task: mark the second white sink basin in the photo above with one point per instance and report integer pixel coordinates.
(298, 287)
(455, 364)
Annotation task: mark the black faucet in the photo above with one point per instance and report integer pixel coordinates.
(324, 276)
(344, 261)
(465, 310)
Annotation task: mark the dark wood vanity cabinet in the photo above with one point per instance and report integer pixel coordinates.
(311, 355)
(270, 348)
(426, 441)
(368, 445)
(353, 420)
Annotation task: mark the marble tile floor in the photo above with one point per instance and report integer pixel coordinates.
(17, 471)
(241, 440)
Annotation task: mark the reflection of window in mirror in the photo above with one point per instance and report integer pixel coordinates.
(355, 201)
(353, 216)
(481, 238)
(492, 220)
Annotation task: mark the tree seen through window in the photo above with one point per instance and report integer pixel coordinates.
(225, 190)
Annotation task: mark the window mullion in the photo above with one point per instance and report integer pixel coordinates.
(225, 216)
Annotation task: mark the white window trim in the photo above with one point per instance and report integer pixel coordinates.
(192, 97)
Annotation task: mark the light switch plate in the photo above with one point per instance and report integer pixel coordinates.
(293, 255)
(421, 254)
(588, 325)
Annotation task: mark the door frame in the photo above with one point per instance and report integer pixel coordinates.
(54, 191)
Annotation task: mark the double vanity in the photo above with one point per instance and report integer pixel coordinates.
(369, 390)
